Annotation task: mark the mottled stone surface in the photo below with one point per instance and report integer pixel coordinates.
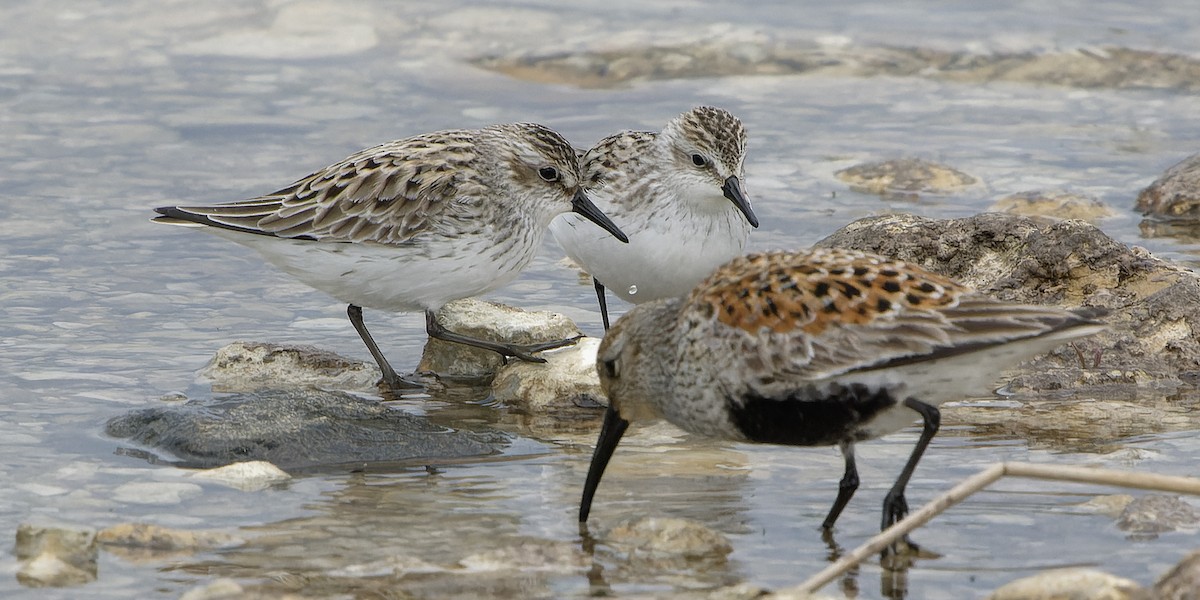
(147, 536)
(55, 555)
(1071, 584)
(667, 537)
(1111, 67)
(493, 322)
(1175, 194)
(906, 178)
(247, 366)
(1182, 582)
(1154, 335)
(566, 381)
(1147, 516)
(1054, 204)
(297, 429)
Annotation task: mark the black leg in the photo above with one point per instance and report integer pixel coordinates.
(846, 487)
(895, 506)
(389, 375)
(602, 300)
(523, 352)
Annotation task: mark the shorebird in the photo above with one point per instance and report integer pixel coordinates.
(677, 192)
(816, 348)
(415, 223)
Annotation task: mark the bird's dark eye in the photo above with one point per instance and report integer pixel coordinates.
(610, 368)
(699, 160)
(548, 173)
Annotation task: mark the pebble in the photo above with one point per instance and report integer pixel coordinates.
(667, 537)
(249, 476)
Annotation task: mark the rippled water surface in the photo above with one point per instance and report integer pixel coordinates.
(110, 109)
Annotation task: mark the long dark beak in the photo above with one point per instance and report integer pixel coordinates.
(610, 433)
(733, 191)
(582, 205)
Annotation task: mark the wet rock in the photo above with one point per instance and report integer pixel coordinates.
(1176, 194)
(662, 537)
(392, 566)
(566, 381)
(48, 570)
(1154, 335)
(297, 429)
(248, 366)
(247, 476)
(1112, 505)
(1147, 516)
(155, 539)
(493, 322)
(220, 589)
(55, 555)
(155, 492)
(1061, 584)
(794, 594)
(1056, 204)
(530, 555)
(1182, 582)
(739, 55)
(906, 178)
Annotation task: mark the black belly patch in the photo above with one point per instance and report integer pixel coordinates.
(808, 417)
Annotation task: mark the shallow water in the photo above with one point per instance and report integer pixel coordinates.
(109, 110)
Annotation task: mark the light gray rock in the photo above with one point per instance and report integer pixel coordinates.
(493, 322)
(567, 380)
(1175, 194)
(249, 476)
(1070, 584)
(249, 366)
(905, 178)
(155, 492)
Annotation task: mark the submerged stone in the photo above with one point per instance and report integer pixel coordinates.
(297, 429)
(905, 178)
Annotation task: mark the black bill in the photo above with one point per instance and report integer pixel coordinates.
(610, 434)
(582, 205)
(733, 191)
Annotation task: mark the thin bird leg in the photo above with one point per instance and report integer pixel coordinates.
(389, 375)
(520, 351)
(895, 506)
(603, 301)
(846, 487)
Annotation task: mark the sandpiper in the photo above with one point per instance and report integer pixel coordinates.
(824, 347)
(678, 194)
(415, 223)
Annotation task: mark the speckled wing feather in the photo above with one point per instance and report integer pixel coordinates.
(819, 314)
(384, 194)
